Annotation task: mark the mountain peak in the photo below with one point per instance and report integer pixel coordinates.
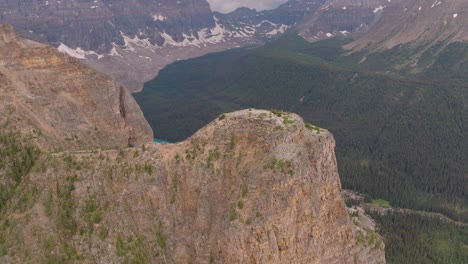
(244, 9)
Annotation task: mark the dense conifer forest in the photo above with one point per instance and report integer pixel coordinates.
(415, 239)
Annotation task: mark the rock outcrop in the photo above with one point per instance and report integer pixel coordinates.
(61, 103)
(251, 187)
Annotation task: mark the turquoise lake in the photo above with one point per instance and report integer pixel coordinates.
(157, 140)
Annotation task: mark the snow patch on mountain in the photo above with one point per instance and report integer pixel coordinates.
(277, 31)
(114, 52)
(377, 9)
(436, 3)
(77, 53)
(158, 17)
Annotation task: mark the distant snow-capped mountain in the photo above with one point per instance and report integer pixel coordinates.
(133, 40)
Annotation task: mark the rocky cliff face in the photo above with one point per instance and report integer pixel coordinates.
(251, 187)
(61, 103)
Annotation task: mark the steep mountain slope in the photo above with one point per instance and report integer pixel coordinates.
(418, 36)
(418, 22)
(398, 139)
(71, 105)
(253, 186)
(401, 37)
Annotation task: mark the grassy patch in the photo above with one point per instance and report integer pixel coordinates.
(65, 213)
(16, 161)
(381, 203)
(313, 128)
(232, 214)
(132, 249)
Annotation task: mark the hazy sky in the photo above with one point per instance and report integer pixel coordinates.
(226, 6)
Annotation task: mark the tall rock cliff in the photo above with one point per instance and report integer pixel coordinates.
(61, 103)
(251, 187)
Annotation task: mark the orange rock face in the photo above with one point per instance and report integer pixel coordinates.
(74, 106)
